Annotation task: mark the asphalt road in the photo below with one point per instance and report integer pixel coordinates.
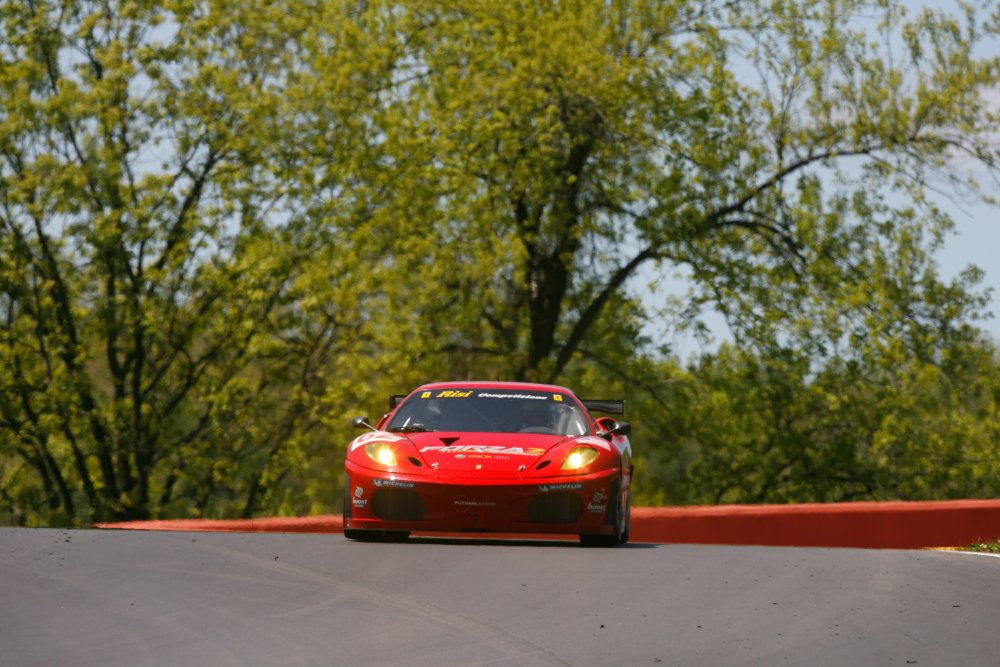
(131, 598)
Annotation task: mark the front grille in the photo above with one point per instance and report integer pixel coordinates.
(398, 505)
(559, 507)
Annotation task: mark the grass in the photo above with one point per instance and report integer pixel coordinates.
(985, 547)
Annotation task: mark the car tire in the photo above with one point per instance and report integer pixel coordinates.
(623, 525)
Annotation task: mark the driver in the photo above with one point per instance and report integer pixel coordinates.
(537, 414)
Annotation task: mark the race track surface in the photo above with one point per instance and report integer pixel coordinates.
(132, 598)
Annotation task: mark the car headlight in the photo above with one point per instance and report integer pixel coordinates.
(579, 457)
(381, 453)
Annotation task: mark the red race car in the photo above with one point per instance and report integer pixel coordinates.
(483, 457)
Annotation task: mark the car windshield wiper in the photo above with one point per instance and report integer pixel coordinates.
(411, 428)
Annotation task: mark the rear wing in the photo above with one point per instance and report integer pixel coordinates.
(611, 407)
(603, 405)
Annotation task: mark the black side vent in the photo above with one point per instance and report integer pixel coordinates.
(542, 465)
(415, 461)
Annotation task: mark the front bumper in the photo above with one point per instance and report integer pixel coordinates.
(583, 504)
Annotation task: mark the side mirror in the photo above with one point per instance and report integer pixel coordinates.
(610, 428)
(362, 422)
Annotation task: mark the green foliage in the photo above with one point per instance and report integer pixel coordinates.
(227, 226)
(749, 429)
(985, 547)
(151, 263)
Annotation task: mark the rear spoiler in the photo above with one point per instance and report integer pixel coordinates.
(603, 405)
(611, 407)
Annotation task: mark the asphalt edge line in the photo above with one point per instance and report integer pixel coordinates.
(964, 552)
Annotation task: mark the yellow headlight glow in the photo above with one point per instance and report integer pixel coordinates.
(579, 458)
(381, 453)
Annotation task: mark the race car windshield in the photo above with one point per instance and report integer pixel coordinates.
(490, 411)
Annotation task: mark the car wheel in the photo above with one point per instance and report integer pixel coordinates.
(626, 512)
(623, 525)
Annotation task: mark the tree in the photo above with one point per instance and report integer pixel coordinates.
(150, 261)
(772, 152)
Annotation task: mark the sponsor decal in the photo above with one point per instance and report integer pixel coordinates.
(545, 488)
(454, 394)
(557, 398)
(460, 450)
(358, 492)
(394, 484)
(381, 436)
(426, 394)
(530, 397)
(479, 466)
(465, 502)
(598, 502)
(360, 502)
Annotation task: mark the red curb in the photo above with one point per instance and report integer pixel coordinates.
(871, 525)
(331, 523)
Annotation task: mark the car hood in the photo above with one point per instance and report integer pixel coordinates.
(484, 454)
